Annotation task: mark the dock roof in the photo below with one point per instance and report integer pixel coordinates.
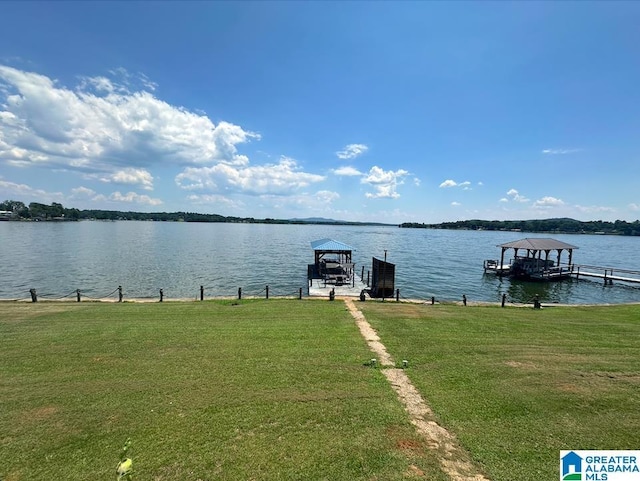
(330, 245)
(538, 244)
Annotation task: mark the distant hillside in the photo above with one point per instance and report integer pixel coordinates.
(17, 210)
(554, 226)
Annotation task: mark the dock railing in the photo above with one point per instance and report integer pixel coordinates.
(608, 274)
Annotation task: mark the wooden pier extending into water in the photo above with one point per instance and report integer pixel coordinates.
(607, 274)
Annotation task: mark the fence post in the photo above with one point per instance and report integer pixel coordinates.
(536, 302)
(267, 290)
(464, 299)
(332, 294)
(504, 298)
(300, 294)
(34, 296)
(368, 276)
(397, 295)
(161, 295)
(78, 294)
(201, 293)
(119, 293)
(239, 293)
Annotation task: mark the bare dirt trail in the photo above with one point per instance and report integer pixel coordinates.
(454, 460)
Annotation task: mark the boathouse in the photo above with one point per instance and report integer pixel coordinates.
(333, 262)
(531, 259)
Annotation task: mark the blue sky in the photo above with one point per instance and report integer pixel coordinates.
(363, 111)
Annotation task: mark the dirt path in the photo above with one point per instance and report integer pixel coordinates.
(454, 460)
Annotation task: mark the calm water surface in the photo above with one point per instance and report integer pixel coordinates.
(143, 257)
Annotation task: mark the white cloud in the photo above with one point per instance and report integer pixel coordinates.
(634, 207)
(594, 209)
(24, 191)
(82, 193)
(456, 204)
(516, 197)
(452, 183)
(212, 199)
(448, 183)
(133, 198)
(102, 126)
(352, 151)
(384, 182)
(347, 171)
(504, 199)
(326, 196)
(141, 177)
(282, 178)
(548, 201)
(560, 151)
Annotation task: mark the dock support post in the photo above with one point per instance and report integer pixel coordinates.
(464, 299)
(362, 275)
(201, 293)
(504, 298)
(34, 296)
(267, 291)
(368, 276)
(78, 294)
(239, 293)
(161, 295)
(120, 294)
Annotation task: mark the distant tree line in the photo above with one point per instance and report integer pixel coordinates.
(57, 212)
(556, 226)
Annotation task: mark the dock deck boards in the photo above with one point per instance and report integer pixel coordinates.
(319, 289)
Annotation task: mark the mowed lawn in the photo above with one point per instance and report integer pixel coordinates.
(214, 390)
(517, 385)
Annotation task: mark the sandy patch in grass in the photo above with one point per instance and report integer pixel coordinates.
(454, 461)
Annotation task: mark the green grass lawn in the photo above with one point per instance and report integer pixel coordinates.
(215, 390)
(517, 385)
(278, 389)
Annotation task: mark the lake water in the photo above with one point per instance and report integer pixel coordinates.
(143, 257)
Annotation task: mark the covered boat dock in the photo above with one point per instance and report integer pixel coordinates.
(333, 269)
(534, 265)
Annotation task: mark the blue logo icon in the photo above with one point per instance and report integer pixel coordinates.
(571, 467)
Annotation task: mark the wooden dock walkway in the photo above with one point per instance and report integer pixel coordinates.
(318, 288)
(607, 274)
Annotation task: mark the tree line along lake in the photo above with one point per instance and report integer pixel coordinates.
(96, 257)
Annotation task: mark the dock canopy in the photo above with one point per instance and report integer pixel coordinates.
(324, 247)
(536, 246)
